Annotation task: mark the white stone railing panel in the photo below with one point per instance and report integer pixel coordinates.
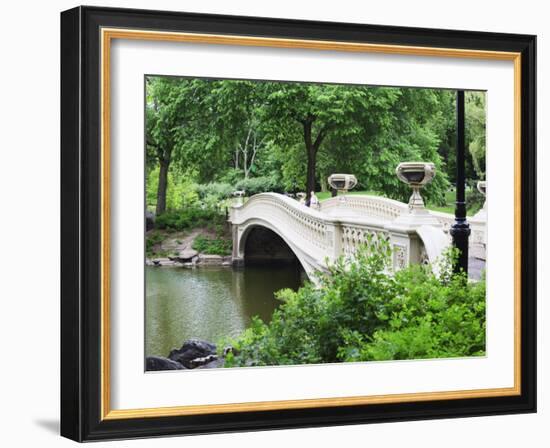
(477, 226)
(374, 206)
(355, 235)
(390, 209)
(328, 233)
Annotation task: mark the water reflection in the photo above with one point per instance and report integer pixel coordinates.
(208, 303)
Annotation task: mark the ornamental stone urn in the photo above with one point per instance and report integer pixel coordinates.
(239, 194)
(416, 175)
(343, 183)
(416, 235)
(482, 188)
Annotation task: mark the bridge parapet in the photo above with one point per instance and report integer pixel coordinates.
(339, 228)
(374, 206)
(478, 226)
(389, 209)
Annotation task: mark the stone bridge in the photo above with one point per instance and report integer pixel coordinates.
(274, 227)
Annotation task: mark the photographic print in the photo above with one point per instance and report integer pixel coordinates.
(291, 223)
(344, 212)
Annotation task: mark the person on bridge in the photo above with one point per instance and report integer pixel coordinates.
(314, 201)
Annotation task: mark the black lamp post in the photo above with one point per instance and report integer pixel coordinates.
(460, 230)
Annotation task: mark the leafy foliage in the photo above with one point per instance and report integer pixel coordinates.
(276, 136)
(183, 192)
(255, 185)
(219, 190)
(475, 117)
(212, 245)
(363, 313)
(188, 218)
(152, 239)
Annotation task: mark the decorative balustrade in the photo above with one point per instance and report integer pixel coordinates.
(389, 209)
(340, 227)
(374, 206)
(477, 226)
(355, 235)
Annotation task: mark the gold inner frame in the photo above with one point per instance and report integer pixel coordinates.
(107, 35)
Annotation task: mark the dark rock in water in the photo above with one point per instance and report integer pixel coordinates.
(201, 361)
(191, 350)
(153, 363)
(197, 362)
(215, 364)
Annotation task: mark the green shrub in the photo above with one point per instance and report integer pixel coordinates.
(231, 176)
(215, 194)
(188, 218)
(255, 185)
(212, 246)
(151, 240)
(181, 192)
(217, 190)
(360, 312)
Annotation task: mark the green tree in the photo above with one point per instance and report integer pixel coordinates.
(238, 110)
(475, 130)
(390, 125)
(298, 133)
(314, 111)
(171, 110)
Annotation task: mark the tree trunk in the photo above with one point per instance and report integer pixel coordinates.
(312, 148)
(311, 165)
(323, 182)
(163, 185)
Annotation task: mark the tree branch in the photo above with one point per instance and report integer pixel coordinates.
(321, 136)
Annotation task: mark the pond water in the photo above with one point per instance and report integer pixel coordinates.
(209, 302)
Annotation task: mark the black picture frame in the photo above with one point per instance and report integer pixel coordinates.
(81, 224)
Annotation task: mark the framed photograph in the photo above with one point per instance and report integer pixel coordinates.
(273, 223)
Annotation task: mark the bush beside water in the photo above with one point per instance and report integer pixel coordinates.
(363, 313)
(188, 218)
(213, 245)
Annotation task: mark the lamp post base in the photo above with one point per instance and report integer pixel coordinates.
(460, 231)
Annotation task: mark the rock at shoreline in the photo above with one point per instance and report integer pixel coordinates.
(200, 362)
(163, 262)
(154, 363)
(210, 259)
(191, 350)
(214, 364)
(186, 255)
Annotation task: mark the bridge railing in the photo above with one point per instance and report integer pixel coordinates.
(375, 206)
(478, 228)
(326, 233)
(353, 235)
(389, 209)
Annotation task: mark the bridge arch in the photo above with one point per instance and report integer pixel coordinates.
(246, 232)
